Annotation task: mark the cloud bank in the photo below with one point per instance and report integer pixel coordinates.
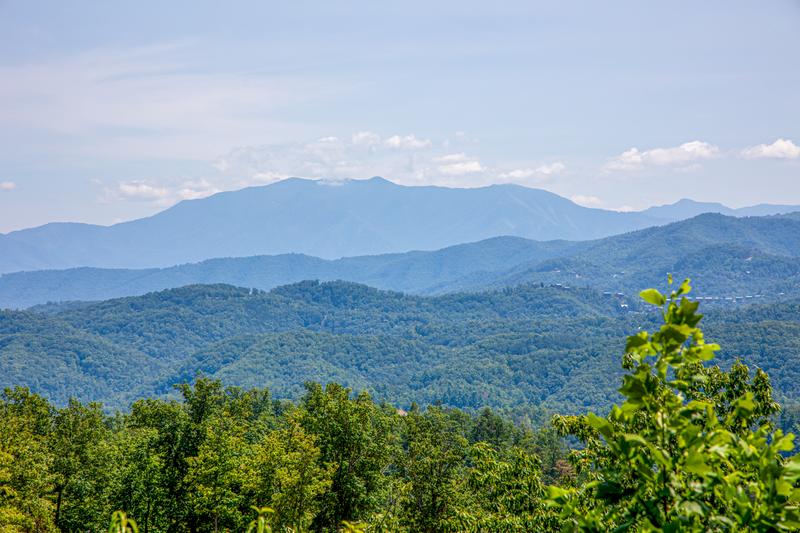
(677, 156)
(412, 159)
(408, 159)
(780, 149)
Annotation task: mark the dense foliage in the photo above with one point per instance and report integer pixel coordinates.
(530, 345)
(692, 447)
(202, 463)
(509, 347)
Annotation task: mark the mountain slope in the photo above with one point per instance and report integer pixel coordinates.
(686, 208)
(60, 361)
(330, 220)
(460, 347)
(414, 272)
(358, 217)
(729, 256)
(529, 345)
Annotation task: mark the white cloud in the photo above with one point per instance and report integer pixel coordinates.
(543, 171)
(681, 156)
(780, 149)
(192, 190)
(366, 138)
(451, 158)
(7, 185)
(458, 165)
(264, 178)
(519, 174)
(161, 195)
(586, 201)
(137, 190)
(365, 154)
(552, 169)
(402, 158)
(407, 142)
(459, 169)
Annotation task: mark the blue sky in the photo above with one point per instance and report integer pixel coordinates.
(110, 112)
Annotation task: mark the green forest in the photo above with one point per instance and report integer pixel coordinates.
(687, 446)
(531, 345)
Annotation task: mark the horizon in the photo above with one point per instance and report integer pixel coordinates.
(340, 181)
(602, 104)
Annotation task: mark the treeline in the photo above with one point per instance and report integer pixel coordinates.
(202, 463)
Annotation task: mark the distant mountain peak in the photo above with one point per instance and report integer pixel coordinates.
(330, 219)
(688, 208)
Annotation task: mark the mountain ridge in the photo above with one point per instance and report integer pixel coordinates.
(688, 208)
(529, 344)
(757, 253)
(355, 217)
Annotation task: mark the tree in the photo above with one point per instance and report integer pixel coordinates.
(139, 486)
(689, 449)
(283, 472)
(508, 491)
(25, 462)
(432, 467)
(214, 478)
(169, 422)
(354, 437)
(83, 465)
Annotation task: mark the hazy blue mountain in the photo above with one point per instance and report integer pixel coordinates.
(330, 220)
(686, 208)
(413, 272)
(751, 255)
(728, 256)
(321, 219)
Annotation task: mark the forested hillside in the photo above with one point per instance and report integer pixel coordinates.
(528, 345)
(737, 257)
(413, 272)
(689, 447)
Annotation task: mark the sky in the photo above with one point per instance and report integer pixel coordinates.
(111, 111)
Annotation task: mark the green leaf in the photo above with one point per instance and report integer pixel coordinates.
(652, 296)
(636, 341)
(600, 424)
(685, 287)
(785, 443)
(633, 388)
(695, 463)
(634, 438)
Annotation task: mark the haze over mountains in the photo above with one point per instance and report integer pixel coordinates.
(328, 220)
(686, 208)
(728, 257)
(499, 308)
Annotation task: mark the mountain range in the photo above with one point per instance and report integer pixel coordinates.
(511, 296)
(729, 256)
(528, 345)
(328, 220)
